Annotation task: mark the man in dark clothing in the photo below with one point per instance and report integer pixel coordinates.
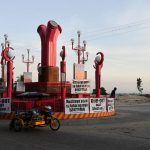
(113, 92)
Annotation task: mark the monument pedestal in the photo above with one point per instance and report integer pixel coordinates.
(48, 74)
(52, 88)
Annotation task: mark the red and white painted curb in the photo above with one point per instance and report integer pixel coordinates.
(62, 115)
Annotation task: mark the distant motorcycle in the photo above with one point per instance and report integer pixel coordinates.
(37, 117)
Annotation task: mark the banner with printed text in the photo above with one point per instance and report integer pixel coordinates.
(80, 86)
(97, 105)
(110, 104)
(76, 105)
(5, 105)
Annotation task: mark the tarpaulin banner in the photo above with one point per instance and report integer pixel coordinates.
(5, 105)
(110, 104)
(76, 105)
(80, 86)
(97, 105)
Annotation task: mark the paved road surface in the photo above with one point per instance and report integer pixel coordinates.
(128, 130)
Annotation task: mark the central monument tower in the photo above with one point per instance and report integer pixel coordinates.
(48, 71)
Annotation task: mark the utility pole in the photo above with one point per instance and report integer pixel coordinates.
(28, 61)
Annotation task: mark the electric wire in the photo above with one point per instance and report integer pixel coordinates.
(98, 33)
(119, 27)
(115, 33)
(101, 32)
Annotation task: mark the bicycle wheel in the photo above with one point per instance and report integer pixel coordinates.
(54, 124)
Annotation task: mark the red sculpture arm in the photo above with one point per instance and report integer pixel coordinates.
(4, 54)
(49, 37)
(53, 31)
(102, 58)
(42, 32)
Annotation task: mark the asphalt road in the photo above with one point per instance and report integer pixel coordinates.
(128, 130)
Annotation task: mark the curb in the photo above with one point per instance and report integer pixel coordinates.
(62, 115)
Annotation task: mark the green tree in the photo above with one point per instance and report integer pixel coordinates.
(103, 91)
(94, 91)
(139, 85)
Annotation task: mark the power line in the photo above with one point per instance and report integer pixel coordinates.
(122, 30)
(128, 25)
(114, 33)
(95, 34)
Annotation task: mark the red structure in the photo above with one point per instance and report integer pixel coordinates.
(48, 79)
(63, 74)
(3, 61)
(49, 35)
(48, 72)
(48, 76)
(98, 66)
(8, 58)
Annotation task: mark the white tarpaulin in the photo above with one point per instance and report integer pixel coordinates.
(5, 105)
(110, 104)
(97, 105)
(80, 86)
(76, 105)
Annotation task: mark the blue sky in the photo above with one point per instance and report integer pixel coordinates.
(118, 28)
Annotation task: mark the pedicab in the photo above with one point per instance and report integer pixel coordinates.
(37, 117)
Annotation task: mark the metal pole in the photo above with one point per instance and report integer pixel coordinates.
(28, 60)
(5, 36)
(63, 76)
(98, 80)
(83, 58)
(78, 47)
(98, 67)
(10, 78)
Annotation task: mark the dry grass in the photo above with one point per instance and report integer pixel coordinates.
(132, 99)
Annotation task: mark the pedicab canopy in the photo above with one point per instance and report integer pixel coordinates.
(32, 94)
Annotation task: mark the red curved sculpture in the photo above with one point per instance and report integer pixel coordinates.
(49, 35)
(9, 60)
(98, 66)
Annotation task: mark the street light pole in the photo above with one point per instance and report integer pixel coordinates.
(84, 59)
(5, 36)
(99, 59)
(28, 61)
(63, 75)
(3, 61)
(80, 50)
(7, 62)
